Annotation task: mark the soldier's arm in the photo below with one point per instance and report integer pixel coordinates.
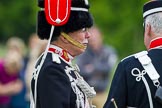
(118, 89)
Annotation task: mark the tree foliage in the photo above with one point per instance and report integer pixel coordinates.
(18, 18)
(120, 21)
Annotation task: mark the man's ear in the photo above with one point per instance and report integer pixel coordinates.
(147, 30)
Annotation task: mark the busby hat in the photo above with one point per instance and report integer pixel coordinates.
(79, 17)
(152, 7)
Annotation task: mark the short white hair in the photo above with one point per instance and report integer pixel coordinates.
(155, 20)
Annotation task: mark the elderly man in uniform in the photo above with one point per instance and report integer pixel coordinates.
(138, 78)
(56, 82)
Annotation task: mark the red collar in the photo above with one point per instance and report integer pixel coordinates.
(155, 43)
(61, 52)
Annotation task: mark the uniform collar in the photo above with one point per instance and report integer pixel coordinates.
(61, 52)
(156, 43)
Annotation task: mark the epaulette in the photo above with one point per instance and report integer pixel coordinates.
(55, 58)
(140, 54)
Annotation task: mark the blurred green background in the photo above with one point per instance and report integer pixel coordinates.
(120, 21)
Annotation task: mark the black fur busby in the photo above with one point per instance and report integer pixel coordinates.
(152, 7)
(76, 21)
(41, 3)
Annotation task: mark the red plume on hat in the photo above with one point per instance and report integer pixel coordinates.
(57, 12)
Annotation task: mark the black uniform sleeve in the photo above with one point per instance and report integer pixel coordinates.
(118, 89)
(53, 88)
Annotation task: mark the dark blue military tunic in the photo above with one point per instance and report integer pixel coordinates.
(54, 86)
(129, 90)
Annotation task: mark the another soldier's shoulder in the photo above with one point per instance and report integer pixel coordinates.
(134, 56)
(128, 58)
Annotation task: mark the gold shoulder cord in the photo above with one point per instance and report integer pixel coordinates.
(74, 42)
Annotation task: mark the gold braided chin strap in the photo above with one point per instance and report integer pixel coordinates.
(72, 41)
